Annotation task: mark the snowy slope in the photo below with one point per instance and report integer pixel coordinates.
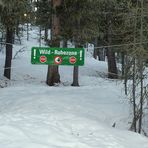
(33, 115)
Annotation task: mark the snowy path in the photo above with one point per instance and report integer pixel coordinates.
(33, 115)
(43, 117)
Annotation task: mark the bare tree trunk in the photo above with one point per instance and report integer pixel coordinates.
(9, 41)
(17, 28)
(141, 71)
(95, 53)
(46, 34)
(75, 76)
(134, 74)
(64, 43)
(102, 54)
(123, 63)
(141, 97)
(126, 69)
(40, 36)
(53, 75)
(27, 30)
(112, 66)
(134, 96)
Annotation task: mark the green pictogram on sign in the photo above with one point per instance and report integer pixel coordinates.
(57, 56)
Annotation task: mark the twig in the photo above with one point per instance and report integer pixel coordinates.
(20, 50)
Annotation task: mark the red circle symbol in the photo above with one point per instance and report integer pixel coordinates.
(58, 60)
(72, 60)
(43, 59)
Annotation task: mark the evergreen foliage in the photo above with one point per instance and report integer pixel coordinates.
(43, 13)
(11, 11)
(112, 16)
(79, 20)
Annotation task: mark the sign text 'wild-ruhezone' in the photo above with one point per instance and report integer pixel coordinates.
(57, 56)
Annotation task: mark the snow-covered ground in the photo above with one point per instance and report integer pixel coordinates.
(33, 115)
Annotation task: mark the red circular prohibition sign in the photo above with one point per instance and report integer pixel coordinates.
(72, 60)
(43, 59)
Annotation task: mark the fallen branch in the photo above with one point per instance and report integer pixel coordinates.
(19, 51)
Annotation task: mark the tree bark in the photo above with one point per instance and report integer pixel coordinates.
(95, 53)
(141, 70)
(9, 41)
(40, 36)
(17, 28)
(102, 54)
(141, 97)
(123, 63)
(75, 76)
(134, 95)
(53, 75)
(112, 67)
(27, 30)
(126, 73)
(46, 34)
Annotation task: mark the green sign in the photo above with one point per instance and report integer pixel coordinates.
(57, 56)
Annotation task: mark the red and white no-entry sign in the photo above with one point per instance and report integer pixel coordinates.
(72, 60)
(58, 60)
(43, 59)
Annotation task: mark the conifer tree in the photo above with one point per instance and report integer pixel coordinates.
(43, 16)
(111, 30)
(10, 12)
(79, 23)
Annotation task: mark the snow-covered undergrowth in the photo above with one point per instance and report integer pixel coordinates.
(33, 115)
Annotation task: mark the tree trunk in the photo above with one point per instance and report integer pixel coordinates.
(112, 67)
(141, 69)
(40, 36)
(95, 53)
(27, 30)
(123, 63)
(53, 72)
(17, 28)
(134, 95)
(46, 34)
(9, 41)
(75, 76)
(126, 72)
(53, 76)
(102, 54)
